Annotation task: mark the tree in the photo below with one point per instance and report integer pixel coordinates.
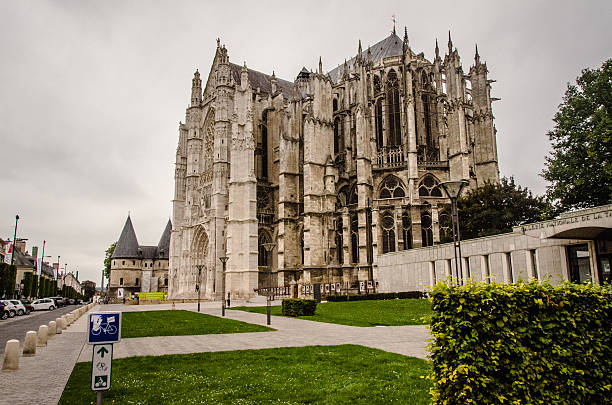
(34, 289)
(107, 259)
(579, 166)
(27, 285)
(496, 208)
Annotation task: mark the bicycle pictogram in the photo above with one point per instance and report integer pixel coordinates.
(103, 327)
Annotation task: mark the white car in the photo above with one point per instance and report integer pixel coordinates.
(10, 308)
(43, 303)
(21, 309)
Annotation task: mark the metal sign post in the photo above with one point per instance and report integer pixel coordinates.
(103, 329)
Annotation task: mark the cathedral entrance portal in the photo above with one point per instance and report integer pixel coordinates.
(199, 268)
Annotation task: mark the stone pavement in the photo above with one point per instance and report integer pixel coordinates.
(41, 379)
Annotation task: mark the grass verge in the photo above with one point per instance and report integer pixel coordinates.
(314, 374)
(179, 323)
(365, 313)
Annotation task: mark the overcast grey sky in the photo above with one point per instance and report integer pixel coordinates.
(91, 92)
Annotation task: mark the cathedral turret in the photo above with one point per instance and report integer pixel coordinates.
(450, 43)
(359, 58)
(320, 66)
(273, 83)
(196, 89)
(437, 50)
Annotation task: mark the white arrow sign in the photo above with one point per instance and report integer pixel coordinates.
(101, 367)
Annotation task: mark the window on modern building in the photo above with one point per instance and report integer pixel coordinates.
(393, 105)
(391, 188)
(407, 230)
(534, 264)
(121, 281)
(428, 187)
(426, 226)
(579, 263)
(487, 269)
(509, 269)
(388, 232)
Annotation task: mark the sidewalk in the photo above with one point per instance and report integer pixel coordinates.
(41, 379)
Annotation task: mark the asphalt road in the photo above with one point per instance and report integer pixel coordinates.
(16, 328)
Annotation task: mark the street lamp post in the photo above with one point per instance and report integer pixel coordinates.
(14, 240)
(198, 287)
(453, 190)
(223, 261)
(269, 248)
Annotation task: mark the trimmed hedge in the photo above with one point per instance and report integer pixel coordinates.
(521, 344)
(298, 307)
(377, 296)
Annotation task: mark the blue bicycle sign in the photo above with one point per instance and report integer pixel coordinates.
(104, 327)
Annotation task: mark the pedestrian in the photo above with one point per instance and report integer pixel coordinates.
(228, 299)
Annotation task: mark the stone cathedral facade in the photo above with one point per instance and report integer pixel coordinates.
(334, 168)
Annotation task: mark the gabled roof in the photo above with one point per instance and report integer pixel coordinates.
(127, 245)
(390, 46)
(262, 81)
(163, 246)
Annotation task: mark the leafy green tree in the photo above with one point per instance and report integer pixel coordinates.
(34, 289)
(27, 284)
(107, 259)
(579, 166)
(496, 208)
(41, 287)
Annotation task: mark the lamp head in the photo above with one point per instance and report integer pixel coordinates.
(223, 259)
(453, 188)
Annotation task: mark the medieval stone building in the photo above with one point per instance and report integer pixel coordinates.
(136, 268)
(334, 168)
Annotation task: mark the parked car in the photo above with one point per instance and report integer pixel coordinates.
(21, 310)
(28, 306)
(3, 313)
(44, 303)
(59, 301)
(10, 307)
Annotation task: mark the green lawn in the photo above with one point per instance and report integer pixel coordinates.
(365, 313)
(179, 323)
(316, 374)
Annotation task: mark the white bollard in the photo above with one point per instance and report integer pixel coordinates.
(11, 355)
(29, 346)
(42, 336)
(59, 326)
(52, 330)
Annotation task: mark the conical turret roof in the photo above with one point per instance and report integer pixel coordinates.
(163, 246)
(127, 245)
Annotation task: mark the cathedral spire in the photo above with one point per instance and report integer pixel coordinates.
(196, 89)
(477, 56)
(405, 35)
(345, 70)
(450, 43)
(437, 49)
(320, 66)
(359, 58)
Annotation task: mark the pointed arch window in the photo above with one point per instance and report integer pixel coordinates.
(338, 135)
(209, 139)
(393, 104)
(354, 238)
(388, 232)
(407, 230)
(264, 145)
(353, 198)
(263, 259)
(428, 187)
(446, 225)
(426, 226)
(339, 240)
(391, 188)
(377, 85)
(378, 122)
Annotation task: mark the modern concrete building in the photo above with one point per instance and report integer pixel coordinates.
(336, 169)
(576, 247)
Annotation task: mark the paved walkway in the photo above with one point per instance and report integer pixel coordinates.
(41, 379)
(406, 340)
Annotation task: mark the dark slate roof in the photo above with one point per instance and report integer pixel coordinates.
(25, 260)
(163, 247)
(262, 81)
(127, 245)
(390, 46)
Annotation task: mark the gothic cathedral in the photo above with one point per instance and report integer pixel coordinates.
(329, 171)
